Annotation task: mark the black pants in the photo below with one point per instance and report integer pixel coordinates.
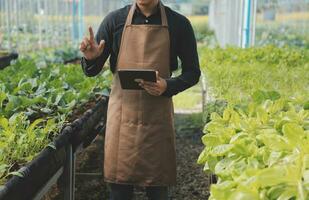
(126, 192)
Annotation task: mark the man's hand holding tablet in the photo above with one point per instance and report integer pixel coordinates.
(155, 88)
(138, 79)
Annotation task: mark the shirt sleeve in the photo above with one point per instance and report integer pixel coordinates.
(93, 67)
(190, 67)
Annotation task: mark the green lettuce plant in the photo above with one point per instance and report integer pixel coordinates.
(233, 74)
(37, 95)
(259, 151)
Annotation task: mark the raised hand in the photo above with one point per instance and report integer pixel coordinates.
(90, 48)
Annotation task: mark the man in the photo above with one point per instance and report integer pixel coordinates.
(140, 135)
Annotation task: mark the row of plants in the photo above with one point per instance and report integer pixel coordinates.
(259, 151)
(238, 71)
(284, 35)
(257, 132)
(19, 38)
(37, 96)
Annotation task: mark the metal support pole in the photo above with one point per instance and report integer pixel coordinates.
(69, 174)
(253, 27)
(246, 23)
(2, 29)
(241, 24)
(204, 91)
(248, 28)
(66, 26)
(8, 22)
(48, 185)
(81, 19)
(56, 25)
(74, 20)
(47, 21)
(39, 22)
(73, 174)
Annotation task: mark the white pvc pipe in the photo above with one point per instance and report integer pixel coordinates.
(248, 23)
(8, 22)
(253, 23)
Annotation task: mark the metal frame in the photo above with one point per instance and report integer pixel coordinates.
(77, 19)
(8, 20)
(248, 23)
(68, 172)
(48, 185)
(204, 91)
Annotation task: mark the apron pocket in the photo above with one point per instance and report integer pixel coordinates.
(131, 108)
(156, 110)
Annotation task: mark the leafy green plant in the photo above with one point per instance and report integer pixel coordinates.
(257, 145)
(217, 106)
(282, 35)
(36, 98)
(233, 73)
(259, 151)
(21, 140)
(54, 89)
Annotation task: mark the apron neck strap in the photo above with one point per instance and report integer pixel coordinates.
(162, 11)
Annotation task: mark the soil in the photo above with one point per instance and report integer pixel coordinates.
(81, 109)
(192, 182)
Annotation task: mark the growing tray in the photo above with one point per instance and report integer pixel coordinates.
(52, 158)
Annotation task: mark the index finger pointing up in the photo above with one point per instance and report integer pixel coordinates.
(91, 34)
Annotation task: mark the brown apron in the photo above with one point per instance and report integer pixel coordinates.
(140, 135)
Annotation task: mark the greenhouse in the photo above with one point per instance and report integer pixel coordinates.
(154, 99)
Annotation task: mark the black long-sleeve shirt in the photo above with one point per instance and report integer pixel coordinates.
(182, 39)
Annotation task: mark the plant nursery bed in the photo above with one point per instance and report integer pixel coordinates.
(80, 118)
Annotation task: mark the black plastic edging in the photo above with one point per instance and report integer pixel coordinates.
(6, 60)
(71, 60)
(40, 170)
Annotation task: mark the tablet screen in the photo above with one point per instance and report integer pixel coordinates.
(129, 78)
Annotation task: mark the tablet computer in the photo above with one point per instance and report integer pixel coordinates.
(129, 78)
